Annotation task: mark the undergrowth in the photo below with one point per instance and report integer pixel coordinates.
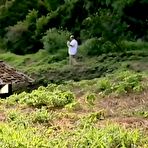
(36, 119)
(109, 136)
(68, 115)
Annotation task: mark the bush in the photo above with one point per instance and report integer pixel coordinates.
(43, 97)
(120, 83)
(15, 38)
(109, 136)
(128, 81)
(90, 47)
(107, 25)
(20, 38)
(41, 25)
(2, 45)
(90, 98)
(74, 106)
(104, 84)
(42, 116)
(131, 45)
(97, 46)
(13, 11)
(54, 40)
(16, 136)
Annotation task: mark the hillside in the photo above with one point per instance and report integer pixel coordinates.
(48, 68)
(104, 112)
(101, 102)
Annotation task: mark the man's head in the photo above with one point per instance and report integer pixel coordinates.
(71, 37)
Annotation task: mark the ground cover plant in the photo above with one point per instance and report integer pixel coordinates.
(53, 68)
(105, 105)
(103, 112)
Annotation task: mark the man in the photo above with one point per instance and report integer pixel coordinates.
(72, 50)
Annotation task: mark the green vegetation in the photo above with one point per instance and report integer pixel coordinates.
(32, 137)
(39, 24)
(102, 102)
(53, 68)
(42, 97)
(54, 116)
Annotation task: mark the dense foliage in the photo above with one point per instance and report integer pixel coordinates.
(109, 21)
(59, 95)
(18, 136)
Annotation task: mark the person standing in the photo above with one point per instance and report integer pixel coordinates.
(72, 50)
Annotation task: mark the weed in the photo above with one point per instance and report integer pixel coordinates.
(42, 116)
(43, 97)
(74, 106)
(90, 98)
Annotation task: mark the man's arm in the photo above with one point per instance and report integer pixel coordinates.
(68, 43)
(72, 43)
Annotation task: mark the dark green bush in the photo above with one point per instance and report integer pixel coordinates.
(52, 5)
(20, 38)
(40, 25)
(90, 47)
(16, 38)
(55, 39)
(95, 46)
(13, 11)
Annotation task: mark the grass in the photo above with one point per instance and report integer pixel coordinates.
(136, 45)
(31, 60)
(46, 68)
(87, 137)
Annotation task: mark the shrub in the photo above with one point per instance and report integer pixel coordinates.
(20, 38)
(74, 106)
(120, 83)
(43, 97)
(13, 39)
(90, 98)
(40, 25)
(136, 45)
(141, 113)
(55, 39)
(13, 115)
(13, 136)
(17, 118)
(127, 81)
(96, 46)
(109, 136)
(42, 116)
(91, 118)
(104, 85)
(107, 25)
(90, 47)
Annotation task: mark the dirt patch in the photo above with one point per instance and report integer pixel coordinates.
(64, 123)
(132, 122)
(126, 122)
(117, 106)
(2, 117)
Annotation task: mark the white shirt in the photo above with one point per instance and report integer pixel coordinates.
(72, 47)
